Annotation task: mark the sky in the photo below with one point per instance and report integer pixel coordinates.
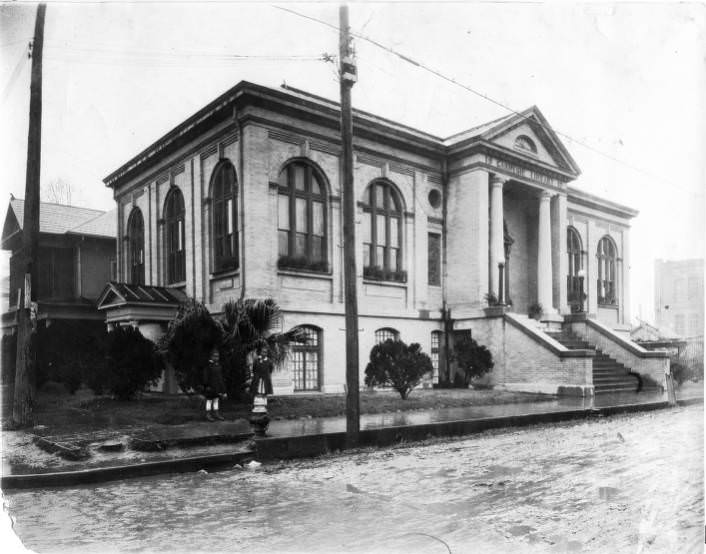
(624, 85)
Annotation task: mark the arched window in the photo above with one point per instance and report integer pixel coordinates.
(435, 349)
(136, 247)
(382, 233)
(301, 221)
(174, 236)
(224, 232)
(523, 142)
(381, 335)
(574, 280)
(305, 360)
(606, 272)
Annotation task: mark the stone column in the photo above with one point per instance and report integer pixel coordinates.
(560, 263)
(497, 249)
(544, 254)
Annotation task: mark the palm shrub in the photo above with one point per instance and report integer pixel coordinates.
(190, 338)
(131, 364)
(474, 359)
(398, 365)
(249, 324)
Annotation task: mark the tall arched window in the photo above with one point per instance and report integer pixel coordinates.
(224, 231)
(136, 247)
(574, 281)
(435, 349)
(382, 233)
(386, 333)
(305, 360)
(301, 221)
(607, 294)
(174, 236)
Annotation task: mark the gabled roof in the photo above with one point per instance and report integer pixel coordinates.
(323, 111)
(123, 294)
(533, 117)
(100, 226)
(59, 219)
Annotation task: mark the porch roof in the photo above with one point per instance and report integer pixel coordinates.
(124, 294)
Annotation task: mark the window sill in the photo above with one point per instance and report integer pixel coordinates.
(382, 283)
(608, 306)
(224, 273)
(305, 273)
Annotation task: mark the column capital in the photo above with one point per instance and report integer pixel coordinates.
(545, 195)
(497, 180)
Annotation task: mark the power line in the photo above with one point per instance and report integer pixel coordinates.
(453, 81)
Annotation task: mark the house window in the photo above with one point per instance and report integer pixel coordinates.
(136, 247)
(305, 360)
(694, 286)
(382, 233)
(174, 236)
(679, 324)
(606, 256)
(224, 191)
(435, 344)
(695, 327)
(55, 267)
(302, 218)
(434, 259)
(386, 333)
(574, 288)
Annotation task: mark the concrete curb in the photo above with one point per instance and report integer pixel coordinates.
(274, 448)
(103, 474)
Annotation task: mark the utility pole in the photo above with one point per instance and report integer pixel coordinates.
(26, 361)
(348, 76)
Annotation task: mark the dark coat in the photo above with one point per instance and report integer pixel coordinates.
(262, 372)
(213, 385)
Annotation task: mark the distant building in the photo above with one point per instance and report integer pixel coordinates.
(679, 296)
(75, 259)
(456, 235)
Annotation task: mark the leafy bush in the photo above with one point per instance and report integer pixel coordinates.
(474, 359)
(681, 373)
(70, 352)
(393, 363)
(191, 337)
(536, 310)
(377, 273)
(301, 262)
(131, 364)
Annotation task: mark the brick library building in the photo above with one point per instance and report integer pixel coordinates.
(465, 234)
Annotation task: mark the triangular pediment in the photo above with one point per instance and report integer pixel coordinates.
(529, 135)
(110, 296)
(11, 227)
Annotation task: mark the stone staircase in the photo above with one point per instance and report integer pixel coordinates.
(609, 376)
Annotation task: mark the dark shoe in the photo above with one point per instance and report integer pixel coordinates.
(218, 416)
(209, 416)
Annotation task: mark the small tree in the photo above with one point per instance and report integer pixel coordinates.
(249, 324)
(131, 363)
(393, 363)
(474, 359)
(191, 337)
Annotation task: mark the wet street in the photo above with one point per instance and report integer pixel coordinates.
(631, 483)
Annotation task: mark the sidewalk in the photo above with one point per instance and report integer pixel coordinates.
(123, 453)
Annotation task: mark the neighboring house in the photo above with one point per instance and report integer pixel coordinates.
(76, 251)
(679, 296)
(245, 198)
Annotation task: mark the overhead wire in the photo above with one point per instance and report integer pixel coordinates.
(488, 98)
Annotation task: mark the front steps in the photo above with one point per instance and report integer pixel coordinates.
(609, 376)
